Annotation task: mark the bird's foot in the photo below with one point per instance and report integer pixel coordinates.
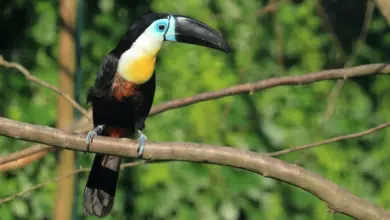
(92, 133)
(141, 142)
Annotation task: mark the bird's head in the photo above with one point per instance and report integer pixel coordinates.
(138, 48)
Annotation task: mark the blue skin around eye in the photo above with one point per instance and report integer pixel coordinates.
(170, 33)
(160, 22)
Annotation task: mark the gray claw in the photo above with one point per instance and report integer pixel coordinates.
(92, 133)
(141, 142)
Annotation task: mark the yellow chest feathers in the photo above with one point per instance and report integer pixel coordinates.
(138, 70)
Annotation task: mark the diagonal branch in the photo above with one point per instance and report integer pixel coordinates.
(334, 93)
(371, 69)
(22, 161)
(331, 140)
(309, 78)
(338, 199)
(32, 78)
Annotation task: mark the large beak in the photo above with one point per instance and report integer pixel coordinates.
(188, 30)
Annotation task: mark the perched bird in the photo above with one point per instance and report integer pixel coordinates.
(124, 90)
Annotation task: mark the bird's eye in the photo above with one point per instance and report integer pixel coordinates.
(161, 27)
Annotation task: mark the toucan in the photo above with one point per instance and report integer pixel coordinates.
(124, 89)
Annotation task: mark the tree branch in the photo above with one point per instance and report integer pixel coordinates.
(84, 125)
(331, 140)
(344, 73)
(338, 199)
(32, 78)
(334, 93)
(22, 161)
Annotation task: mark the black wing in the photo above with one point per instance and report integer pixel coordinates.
(104, 77)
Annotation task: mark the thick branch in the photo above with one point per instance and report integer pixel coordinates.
(84, 125)
(79, 126)
(338, 199)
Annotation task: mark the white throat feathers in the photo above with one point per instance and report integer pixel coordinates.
(136, 65)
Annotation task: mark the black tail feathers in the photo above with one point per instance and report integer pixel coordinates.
(99, 192)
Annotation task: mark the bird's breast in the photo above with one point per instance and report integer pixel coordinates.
(140, 70)
(136, 65)
(122, 88)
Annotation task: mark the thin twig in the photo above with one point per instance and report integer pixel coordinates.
(62, 177)
(363, 34)
(32, 78)
(328, 28)
(331, 140)
(20, 155)
(278, 32)
(309, 78)
(334, 93)
(21, 162)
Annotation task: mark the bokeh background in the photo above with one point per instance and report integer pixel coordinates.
(269, 38)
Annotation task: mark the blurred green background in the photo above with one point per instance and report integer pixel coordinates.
(269, 38)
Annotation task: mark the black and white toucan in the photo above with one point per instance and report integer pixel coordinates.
(124, 90)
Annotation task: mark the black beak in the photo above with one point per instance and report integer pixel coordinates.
(188, 30)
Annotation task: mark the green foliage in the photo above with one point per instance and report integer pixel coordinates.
(291, 40)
